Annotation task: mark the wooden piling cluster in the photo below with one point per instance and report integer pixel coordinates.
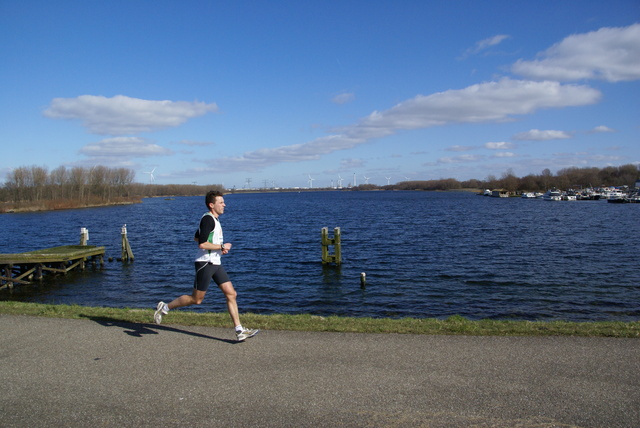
(336, 256)
(126, 254)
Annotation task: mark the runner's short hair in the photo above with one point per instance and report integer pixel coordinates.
(211, 197)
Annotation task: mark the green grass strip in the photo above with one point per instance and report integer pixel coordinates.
(454, 325)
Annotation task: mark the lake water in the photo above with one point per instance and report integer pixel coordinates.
(425, 254)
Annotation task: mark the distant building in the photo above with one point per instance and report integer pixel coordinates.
(637, 184)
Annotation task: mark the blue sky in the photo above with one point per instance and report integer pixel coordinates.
(220, 92)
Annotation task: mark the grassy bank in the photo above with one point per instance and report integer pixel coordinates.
(62, 204)
(455, 325)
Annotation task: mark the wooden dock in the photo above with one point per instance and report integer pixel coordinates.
(24, 268)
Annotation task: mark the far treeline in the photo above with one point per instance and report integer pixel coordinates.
(35, 188)
(568, 178)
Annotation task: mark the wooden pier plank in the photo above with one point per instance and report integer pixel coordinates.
(16, 268)
(49, 255)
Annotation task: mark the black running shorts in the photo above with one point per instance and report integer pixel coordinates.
(205, 272)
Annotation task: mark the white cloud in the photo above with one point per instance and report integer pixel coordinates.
(343, 98)
(262, 158)
(121, 115)
(485, 102)
(611, 54)
(123, 147)
(457, 148)
(538, 135)
(491, 41)
(601, 128)
(504, 155)
(485, 44)
(460, 159)
(499, 146)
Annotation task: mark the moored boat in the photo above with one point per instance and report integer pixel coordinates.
(611, 193)
(618, 200)
(552, 195)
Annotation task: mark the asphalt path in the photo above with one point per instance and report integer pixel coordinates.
(100, 372)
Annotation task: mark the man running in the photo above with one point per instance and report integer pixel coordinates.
(208, 265)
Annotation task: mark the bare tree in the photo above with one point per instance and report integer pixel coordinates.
(40, 177)
(58, 180)
(77, 182)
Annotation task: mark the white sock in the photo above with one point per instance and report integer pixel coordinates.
(239, 328)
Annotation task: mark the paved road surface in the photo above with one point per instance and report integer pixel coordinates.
(90, 373)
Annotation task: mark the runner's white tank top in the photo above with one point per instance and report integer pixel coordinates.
(215, 237)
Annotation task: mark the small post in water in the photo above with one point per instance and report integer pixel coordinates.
(84, 235)
(336, 257)
(127, 254)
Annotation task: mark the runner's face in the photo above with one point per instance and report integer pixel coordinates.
(218, 205)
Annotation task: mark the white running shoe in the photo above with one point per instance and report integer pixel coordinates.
(162, 309)
(245, 334)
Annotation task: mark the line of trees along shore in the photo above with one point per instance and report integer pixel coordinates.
(78, 186)
(568, 178)
(63, 187)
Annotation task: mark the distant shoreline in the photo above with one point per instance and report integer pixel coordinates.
(13, 208)
(56, 205)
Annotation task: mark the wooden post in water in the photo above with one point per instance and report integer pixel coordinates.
(336, 257)
(127, 254)
(84, 235)
(337, 248)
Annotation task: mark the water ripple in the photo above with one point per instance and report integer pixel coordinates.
(425, 254)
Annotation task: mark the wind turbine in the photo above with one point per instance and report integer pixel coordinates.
(151, 177)
(311, 181)
(366, 179)
(388, 179)
(339, 181)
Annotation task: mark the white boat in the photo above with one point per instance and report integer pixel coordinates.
(528, 195)
(613, 194)
(552, 195)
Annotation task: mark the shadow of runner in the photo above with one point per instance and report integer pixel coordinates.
(138, 330)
